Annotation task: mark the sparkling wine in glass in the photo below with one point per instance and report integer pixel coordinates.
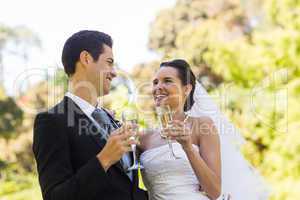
(164, 115)
(131, 117)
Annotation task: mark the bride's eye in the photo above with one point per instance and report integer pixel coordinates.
(168, 81)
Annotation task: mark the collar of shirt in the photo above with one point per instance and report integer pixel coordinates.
(85, 106)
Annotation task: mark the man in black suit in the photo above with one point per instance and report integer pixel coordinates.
(81, 151)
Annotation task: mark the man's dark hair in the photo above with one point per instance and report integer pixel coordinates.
(90, 41)
(186, 75)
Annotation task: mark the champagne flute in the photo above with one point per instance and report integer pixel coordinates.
(164, 115)
(131, 117)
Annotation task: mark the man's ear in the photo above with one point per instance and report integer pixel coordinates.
(85, 58)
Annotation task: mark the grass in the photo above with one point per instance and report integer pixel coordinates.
(26, 187)
(13, 190)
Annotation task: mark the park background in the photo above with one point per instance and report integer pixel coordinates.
(245, 52)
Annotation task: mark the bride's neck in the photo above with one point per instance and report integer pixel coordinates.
(179, 115)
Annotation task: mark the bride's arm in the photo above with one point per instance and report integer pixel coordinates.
(207, 162)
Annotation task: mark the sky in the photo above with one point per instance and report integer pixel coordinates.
(128, 23)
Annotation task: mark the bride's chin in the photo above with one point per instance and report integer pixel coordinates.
(157, 103)
(160, 102)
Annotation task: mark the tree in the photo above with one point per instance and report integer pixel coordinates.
(191, 29)
(22, 38)
(11, 116)
(255, 55)
(11, 119)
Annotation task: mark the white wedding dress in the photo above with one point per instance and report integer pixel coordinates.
(168, 179)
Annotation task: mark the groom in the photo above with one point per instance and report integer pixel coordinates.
(81, 151)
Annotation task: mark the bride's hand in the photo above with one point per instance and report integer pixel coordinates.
(181, 132)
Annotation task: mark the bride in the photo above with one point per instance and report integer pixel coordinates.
(209, 162)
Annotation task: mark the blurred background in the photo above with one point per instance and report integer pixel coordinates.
(245, 52)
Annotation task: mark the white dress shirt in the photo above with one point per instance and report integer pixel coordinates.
(85, 106)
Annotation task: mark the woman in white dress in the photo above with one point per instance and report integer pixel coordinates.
(210, 161)
(197, 174)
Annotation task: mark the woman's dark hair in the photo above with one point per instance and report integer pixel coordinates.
(186, 76)
(86, 40)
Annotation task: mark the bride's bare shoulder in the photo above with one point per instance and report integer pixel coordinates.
(201, 120)
(204, 119)
(202, 124)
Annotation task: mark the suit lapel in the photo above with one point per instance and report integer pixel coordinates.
(117, 124)
(76, 117)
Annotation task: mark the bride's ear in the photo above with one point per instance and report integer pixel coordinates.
(188, 89)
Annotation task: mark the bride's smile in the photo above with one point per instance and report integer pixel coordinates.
(168, 89)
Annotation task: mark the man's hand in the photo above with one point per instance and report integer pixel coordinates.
(117, 145)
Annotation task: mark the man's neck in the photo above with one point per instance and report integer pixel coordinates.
(83, 92)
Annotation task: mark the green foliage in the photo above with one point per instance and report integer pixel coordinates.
(60, 79)
(260, 69)
(11, 117)
(15, 186)
(284, 13)
(2, 93)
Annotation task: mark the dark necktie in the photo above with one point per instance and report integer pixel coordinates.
(102, 118)
(104, 121)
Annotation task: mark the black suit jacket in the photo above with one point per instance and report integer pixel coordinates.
(65, 145)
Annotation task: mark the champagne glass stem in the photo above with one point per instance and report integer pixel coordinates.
(132, 117)
(133, 147)
(172, 150)
(171, 145)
